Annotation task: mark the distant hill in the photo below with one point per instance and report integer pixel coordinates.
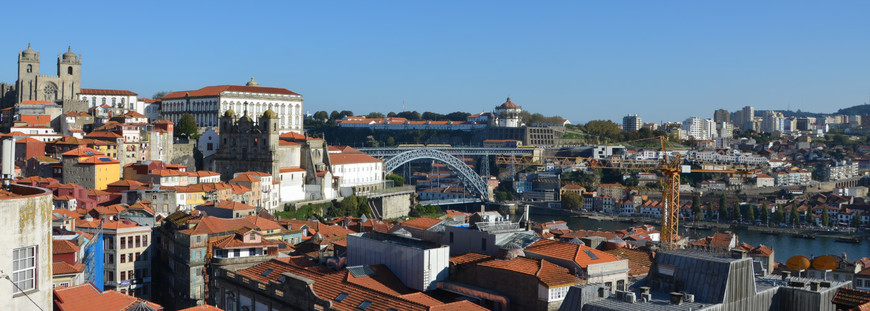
(854, 110)
(860, 109)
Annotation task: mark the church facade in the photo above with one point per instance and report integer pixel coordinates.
(32, 85)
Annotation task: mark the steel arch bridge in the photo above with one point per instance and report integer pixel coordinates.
(470, 179)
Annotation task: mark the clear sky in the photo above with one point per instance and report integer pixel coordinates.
(582, 60)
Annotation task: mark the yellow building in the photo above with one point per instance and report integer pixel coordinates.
(90, 168)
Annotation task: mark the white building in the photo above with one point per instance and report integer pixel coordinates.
(699, 129)
(208, 142)
(208, 104)
(127, 255)
(507, 114)
(150, 107)
(124, 99)
(356, 171)
(291, 184)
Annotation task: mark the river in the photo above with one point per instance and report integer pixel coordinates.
(783, 245)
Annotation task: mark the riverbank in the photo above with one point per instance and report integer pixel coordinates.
(715, 226)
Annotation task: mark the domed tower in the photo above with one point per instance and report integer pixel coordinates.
(226, 123)
(508, 114)
(252, 83)
(69, 73)
(28, 70)
(269, 121)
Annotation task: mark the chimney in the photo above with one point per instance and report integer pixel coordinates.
(814, 286)
(8, 168)
(786, 275)
(482, 208)
(644, 289)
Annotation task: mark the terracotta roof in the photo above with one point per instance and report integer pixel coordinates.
(579, 254)
(469, 258)
(203, 174)
(853, 299)
(85, 296)
(383, 290)
(235, 206)
(107, 92)
(61, 267)
(107, 224)
(99, 160)
(235, 241)
(291, 169)
(639, 261)
(83, 152)
(421, 223)
(126, 183)
(548, 273)
(350, 158)
(202, 308)
(63, 247)
(36, 102)
(218, 89)
(245, 177)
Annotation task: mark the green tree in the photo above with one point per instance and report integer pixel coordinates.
(856, 220)
(398, 180)
(572, 201)
(808, 218)
(375, 115)
(738, 215)
(186, 126)
(696, 208)
(391, 142)
(723, 211)
(159, 95)
(778, 215)
(322, 116)
(765, 213)
(826, 219)
(750, 213)
(795, 217)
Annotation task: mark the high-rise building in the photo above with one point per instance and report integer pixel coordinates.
(772, 121)
(722, 116)
(743, 118)
(631, 123)
(699, 129)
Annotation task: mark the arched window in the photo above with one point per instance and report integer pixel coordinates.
(29, 68)
(69, 70)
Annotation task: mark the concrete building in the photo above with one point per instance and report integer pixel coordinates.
(699, 129)
(127, 253)
(507, 115)
(486, 237)
(419, 264)
(25, 236)
(721, 116)
(773, 121)
(631, 123)
(227, 209)
(90, 168)
(120, 100)
(208, 104)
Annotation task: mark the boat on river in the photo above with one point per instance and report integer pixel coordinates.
(808, 236)
(852, 240)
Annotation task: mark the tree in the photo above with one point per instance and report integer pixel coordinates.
(723, 211)
(159, 95)
(795, 217)
(738, 215)
(322, 116)
(778, 215)
(750, 213)
(856, 220)
(410, 115)
(696, 208)
(391, 142)
(334, 115)
(186, 126)
(572, 201)
(808, 218)
(457, 116)
(605, 128)
(391, 114)
(375, 115)
(345, 113)
(765, 213)
(826, 219)
(398, 180)
(432, 116)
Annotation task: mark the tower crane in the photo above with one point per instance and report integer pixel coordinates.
(670, 166)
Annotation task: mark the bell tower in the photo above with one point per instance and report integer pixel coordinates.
(28, 71)
(69, 73)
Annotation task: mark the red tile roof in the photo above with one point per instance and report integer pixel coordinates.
(85, 297)
(548, 273)
(202, 308)
(107, 92)
(36, 102)
(351, 158)
(61, 267)
(218, 89)
(235, 206)
(568, 251)
(63, 247)
(421, 223)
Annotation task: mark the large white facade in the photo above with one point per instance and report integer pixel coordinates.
(25, 239)
(209, 103)
(113, 98)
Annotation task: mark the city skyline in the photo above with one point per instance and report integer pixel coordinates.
(570, 60)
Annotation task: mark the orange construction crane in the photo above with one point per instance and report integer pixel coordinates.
(671, 168)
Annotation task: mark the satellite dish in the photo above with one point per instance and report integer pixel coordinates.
(798, 263)
(825, 263)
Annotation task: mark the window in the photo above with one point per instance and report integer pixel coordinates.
(29, 68)
(69, 70)
(123, 258)
(24, 268)
(138, 241)
(123, 275)
(341, 297)
(123, 243)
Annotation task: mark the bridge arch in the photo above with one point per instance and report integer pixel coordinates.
(470, 179)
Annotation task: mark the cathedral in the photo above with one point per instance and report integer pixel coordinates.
(34, 86)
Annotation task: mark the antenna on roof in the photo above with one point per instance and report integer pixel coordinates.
(8, 159)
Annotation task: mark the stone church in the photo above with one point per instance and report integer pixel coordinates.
(32, 85)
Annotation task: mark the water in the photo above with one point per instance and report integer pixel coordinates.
(783, 245)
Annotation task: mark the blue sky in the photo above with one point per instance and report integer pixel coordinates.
(582, 60)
